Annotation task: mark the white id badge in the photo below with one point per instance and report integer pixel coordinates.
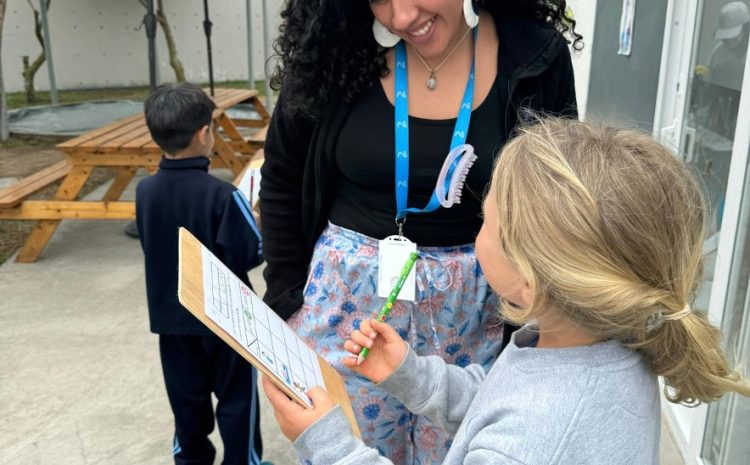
(393, 252)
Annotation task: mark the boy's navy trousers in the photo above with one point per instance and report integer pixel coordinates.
(194, 367)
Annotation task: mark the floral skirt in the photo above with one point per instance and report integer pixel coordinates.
(455, 317)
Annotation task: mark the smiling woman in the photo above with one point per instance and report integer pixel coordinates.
(373, 98)
(312, 46)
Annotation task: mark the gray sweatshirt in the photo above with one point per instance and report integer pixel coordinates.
(595, 405)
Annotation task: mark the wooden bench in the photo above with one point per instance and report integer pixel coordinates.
(125, 146)
(18, 191)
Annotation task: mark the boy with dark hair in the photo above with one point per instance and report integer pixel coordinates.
(196, 362)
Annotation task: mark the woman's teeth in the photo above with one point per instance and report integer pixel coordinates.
(424, 30)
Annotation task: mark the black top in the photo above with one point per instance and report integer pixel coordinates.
(364, 199)
(299, 171)
(183, 194)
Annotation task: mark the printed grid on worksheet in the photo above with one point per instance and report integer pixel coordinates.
(265, 334)
(220, 295)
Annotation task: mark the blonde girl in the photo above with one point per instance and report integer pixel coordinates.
(593, 236)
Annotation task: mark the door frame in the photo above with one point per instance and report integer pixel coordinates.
(676, 61)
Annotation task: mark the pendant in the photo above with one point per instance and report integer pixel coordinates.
(432, 82)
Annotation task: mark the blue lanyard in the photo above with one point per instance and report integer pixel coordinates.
(460, 132)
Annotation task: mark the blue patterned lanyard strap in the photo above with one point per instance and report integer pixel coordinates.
(460, 132)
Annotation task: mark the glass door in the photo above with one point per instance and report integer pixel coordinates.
(710, 118)
(712, 140)
(703, 65)
(727, 436)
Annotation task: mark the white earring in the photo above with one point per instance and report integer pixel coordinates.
(383, 36)
(470, 13)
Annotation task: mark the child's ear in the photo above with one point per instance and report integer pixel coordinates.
(526, 294)
(203, 134)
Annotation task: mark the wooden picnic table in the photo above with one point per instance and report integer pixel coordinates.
(126, 146)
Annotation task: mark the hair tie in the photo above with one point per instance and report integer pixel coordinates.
(679, 315)
(655, 320)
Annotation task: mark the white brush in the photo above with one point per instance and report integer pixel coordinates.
(453, 174)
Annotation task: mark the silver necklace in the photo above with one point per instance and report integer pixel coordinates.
(432, 80)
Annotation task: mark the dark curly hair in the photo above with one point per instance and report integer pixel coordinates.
(322, 50)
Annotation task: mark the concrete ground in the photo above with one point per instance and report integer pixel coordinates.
(80, 380)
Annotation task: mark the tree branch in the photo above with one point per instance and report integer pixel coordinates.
(29, 71)
(174, 60)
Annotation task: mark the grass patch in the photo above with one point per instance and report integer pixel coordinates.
(18, 99)
(15, 142)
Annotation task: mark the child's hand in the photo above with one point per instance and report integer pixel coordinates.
(293, 418)
(387, 350)
(256, 213)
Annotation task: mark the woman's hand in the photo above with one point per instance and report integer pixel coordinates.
(386, 350)
(292, 418)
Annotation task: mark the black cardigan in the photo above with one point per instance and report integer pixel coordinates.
(298, 173)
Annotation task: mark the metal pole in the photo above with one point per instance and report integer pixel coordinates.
(266, 55)
(150, 22)
(249, 27)
(43, 4)
(207, 29)
(4, 133)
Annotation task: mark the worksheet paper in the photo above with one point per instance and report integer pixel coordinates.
(244, 316)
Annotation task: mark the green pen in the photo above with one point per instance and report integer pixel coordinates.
(383, 314)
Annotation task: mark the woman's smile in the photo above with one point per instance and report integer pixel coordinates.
(424, 29)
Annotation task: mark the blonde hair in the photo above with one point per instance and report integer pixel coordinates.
(607, 226)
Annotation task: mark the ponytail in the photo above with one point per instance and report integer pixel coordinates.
(687, 353)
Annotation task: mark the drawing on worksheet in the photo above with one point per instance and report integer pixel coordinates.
(244, 316)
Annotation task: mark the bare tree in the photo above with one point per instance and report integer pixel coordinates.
(174, 61)
(29, 70)
(3, 102)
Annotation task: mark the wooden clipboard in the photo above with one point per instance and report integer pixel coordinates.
(191, 296)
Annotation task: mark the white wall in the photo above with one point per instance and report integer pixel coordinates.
(585, 15)
(96, 43)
